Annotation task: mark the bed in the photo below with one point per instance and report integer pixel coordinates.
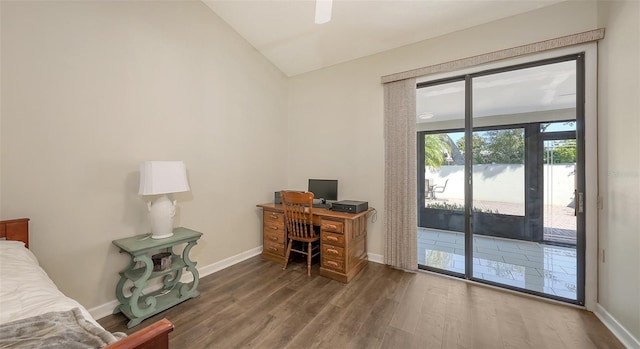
(33, 311)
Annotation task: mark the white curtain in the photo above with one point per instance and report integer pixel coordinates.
(401, 225)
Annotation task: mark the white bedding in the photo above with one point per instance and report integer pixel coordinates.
(25, 288)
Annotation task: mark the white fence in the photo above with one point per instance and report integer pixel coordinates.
(504, 183)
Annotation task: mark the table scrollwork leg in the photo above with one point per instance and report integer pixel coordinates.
(185, 290)
(139, 285)
(124, 300)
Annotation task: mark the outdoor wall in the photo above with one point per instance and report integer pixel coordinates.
(91, 89)
(504, 183)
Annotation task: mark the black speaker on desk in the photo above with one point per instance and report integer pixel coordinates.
(276, 198)
(350, 206)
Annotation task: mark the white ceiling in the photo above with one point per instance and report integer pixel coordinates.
(285, 33)
(536, 89)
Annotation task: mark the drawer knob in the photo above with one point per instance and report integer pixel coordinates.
(273, 238)
(332, 263)
(273, 249)
(331, 250)
(273, 216)
(331, 226)
(331, 238)
(273, 227)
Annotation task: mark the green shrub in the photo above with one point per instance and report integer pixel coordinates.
(458, 207)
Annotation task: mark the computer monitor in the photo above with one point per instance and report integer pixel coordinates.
(324, 189)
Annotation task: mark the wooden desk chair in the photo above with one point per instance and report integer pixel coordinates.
(298, 222)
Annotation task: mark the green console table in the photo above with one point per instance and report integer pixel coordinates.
(139, 306)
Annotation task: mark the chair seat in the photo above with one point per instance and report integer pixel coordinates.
(301, 239)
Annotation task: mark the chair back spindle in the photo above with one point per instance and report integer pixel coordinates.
(298, 214)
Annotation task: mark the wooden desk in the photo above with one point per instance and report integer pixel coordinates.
(343, 240)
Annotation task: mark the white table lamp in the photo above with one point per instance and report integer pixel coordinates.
(162, 177)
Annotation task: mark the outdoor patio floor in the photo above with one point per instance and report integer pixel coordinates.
(533, 266)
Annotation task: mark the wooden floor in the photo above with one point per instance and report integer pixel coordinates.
(257, 304)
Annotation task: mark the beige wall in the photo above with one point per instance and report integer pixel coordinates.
(619, 157)
(91, 89)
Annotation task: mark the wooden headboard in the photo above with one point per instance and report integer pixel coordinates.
(15, 229)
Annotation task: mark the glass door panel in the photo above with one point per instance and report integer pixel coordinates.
(498, 209)
(560, 168)
(560, 223)
(440, 110)
(514, 192)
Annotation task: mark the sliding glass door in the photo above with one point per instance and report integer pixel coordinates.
(504, 208)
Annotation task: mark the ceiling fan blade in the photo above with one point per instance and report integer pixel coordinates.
(323, 11)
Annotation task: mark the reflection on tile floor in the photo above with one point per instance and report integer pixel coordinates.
(529, 265)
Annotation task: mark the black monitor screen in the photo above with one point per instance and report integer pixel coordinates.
(326, 189)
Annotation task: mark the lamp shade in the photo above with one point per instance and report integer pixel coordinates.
(162, 177)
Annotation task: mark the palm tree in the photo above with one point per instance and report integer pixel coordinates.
(436, 149)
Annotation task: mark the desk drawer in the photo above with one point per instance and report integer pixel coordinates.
(274, 248)
(273, 228)
(333, 226)
(332, 239)
(333, 252)
(334, 264)
(275, 237)
(272, 217)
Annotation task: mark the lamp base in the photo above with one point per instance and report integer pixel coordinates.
(164, 236)
(161, 214)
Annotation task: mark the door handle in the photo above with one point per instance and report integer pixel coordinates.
(580, 202)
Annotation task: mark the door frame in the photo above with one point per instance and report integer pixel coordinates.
(586, 108)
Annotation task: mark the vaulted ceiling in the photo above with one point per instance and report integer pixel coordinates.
(285, 33)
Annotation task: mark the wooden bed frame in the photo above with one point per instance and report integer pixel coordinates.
(154, 336)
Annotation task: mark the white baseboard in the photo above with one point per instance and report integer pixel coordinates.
(107, 308)
(225, 263)
(104, 310)
(376, 258)
(627, 339)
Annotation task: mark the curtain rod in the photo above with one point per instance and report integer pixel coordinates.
(546, 45)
